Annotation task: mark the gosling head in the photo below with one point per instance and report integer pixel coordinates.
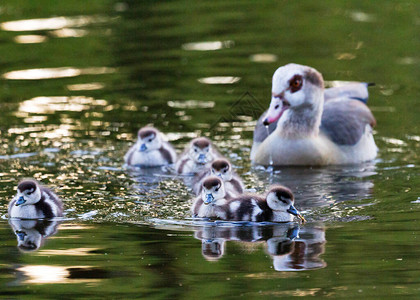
(280, 199)
(222, 168)
(200, 151)
(148, 139)
(28, 192)
(213, 190)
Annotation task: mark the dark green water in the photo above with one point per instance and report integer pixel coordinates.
(78, 81)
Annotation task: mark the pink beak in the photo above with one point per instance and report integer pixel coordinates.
(275, 111)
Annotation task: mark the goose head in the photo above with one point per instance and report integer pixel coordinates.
(295, 89)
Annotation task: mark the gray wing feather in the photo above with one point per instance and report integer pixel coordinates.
(357, 91)
(344, 121)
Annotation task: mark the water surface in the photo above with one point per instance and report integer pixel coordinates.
(79, 79)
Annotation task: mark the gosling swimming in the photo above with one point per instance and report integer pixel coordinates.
(197, 157)
(223, 169)
(150, 150)
(277, 206)
(213, 199)
(34, 201)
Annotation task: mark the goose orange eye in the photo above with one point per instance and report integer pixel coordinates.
(295, 83)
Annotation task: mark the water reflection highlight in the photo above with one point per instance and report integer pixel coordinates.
(49, 73)
(207, 46)
(51, 23)
(219, 80)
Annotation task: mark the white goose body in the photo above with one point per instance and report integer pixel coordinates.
(309, 132)
(318, 150)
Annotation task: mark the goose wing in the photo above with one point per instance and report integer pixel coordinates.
(344, 121)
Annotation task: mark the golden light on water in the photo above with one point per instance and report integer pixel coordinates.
(60, 132)
(69, 32)
(208, 46)
(43, 274)
(68, 252)
(49, 73)
(30, 39)
(359, 16)
(263, 58)
(191, 104)
(174, 136)
(35, 119)
(45, 73)
(51, 23)
(345, 56)
(49, 105)
(219, 80)
(86, 86)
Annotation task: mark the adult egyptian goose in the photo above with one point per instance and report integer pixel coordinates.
(314, 127)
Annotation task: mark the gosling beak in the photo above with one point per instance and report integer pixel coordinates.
(21, 235)
(209, 199)
(201, 158)
(143, 148)
(20, 201)
(292, 210)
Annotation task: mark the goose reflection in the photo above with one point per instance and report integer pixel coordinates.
(31, 234)
(291, 248)
(314, 186)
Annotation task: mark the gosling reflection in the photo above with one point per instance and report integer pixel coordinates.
(213, 241)
(31, 234)
(291, 248)
(301, 253)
